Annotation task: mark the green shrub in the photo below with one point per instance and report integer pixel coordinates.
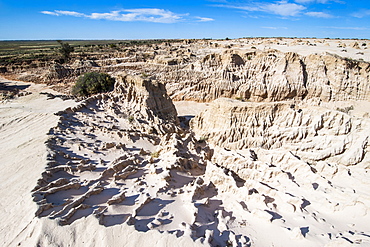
(154, 154)
(144, 75)
(93, 83)
(65, 50)
(202, 139)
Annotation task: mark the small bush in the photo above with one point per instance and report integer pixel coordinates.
(130, 119)
(154, 154)
(202, 139)
(345, 109)
(93, 83)
(65, 50)
(144, 75)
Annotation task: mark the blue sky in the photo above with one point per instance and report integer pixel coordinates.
(138, 19)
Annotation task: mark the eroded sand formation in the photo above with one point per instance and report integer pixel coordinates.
(278, 157)
(250, 69)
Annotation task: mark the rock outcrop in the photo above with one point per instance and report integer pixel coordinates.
(311, 132)
(270, 76)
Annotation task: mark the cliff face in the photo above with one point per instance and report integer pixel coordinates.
(311, 132)
(149, 97)
(271, 76)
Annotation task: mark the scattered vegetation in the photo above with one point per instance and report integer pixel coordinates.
(65, 50)
(346, 109)
(27, 51)
(203, 139)
(93, 83)
(144, 75)
(154, 154)
(130, 119)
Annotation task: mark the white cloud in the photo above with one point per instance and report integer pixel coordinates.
(319, 14)
(204, 19)
(348, 28)
(150, 15)
(49, 13)
(147, 15)
(309, 1)
(71, 13)
(362, 13)
(282, 8)
(319, 1)
(107, 16)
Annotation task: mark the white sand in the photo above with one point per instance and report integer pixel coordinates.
(25, 122)
(189, 108)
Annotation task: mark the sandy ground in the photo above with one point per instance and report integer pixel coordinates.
(24, 124)
(189, 108)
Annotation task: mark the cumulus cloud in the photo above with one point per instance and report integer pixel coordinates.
(282, 8)
(319, 14)
(126, 15)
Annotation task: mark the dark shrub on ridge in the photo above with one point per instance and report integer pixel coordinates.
(93, 83)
